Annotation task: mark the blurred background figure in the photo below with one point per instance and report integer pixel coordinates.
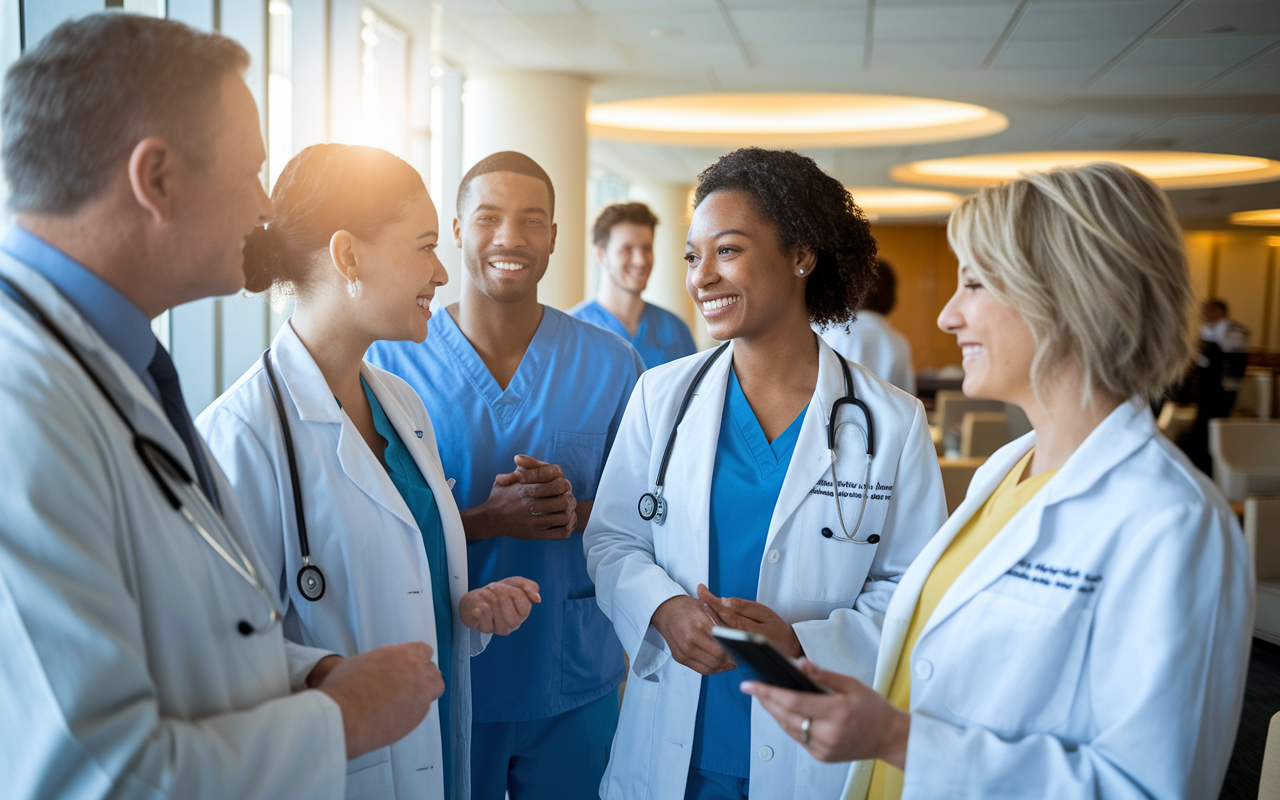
(871, 341)
(623, 245)
(1215, 376)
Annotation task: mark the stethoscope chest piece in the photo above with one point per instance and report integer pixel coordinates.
(311, 582)
(653, 508)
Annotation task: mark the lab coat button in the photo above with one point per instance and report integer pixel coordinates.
(766, 752)
(924, 670)
(774, 555)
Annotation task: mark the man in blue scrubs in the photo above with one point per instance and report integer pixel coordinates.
(526, 400)
(623, 238)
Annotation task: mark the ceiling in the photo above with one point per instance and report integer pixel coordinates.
(1069, 74)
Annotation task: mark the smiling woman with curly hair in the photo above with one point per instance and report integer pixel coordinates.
(754, 518)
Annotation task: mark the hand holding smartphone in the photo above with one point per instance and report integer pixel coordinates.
(768, 663)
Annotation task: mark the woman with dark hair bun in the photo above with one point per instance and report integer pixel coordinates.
(797, 491)
(376, 553)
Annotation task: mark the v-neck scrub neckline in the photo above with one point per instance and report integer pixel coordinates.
(506, 402)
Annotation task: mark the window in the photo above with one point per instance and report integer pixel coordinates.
(384, 84)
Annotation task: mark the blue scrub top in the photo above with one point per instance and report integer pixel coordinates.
(745, 483)
(661, 337)
(421, 501)
(563, 405)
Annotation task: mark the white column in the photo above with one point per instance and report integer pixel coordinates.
(544, 116)
(670, 202)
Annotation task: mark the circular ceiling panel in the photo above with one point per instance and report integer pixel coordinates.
(790, 120)
(1168, 169)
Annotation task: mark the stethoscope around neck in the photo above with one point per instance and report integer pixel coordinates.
(311, 582)
(160, 463)
(653, 506)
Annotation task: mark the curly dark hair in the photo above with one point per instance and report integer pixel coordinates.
(810, 209)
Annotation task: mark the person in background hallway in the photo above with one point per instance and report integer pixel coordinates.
(1218, 367)
(1080, 627)
(623, 239)
(870, 340)
(142, 653)
(526, 401)
(353, 239)
(767, 529)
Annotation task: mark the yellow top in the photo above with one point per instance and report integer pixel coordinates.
(1008, 499)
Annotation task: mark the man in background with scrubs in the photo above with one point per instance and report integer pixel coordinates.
(623, 239)
(526, 401)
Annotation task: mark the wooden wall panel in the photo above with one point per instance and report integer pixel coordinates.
(926, 270)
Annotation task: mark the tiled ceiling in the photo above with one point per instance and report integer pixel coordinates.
(1069, 74)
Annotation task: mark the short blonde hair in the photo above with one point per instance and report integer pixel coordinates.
(1092, 258)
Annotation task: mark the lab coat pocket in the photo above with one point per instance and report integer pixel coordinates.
(591, 654)
(368, 774)
(831, 570)
(1022, 652)
(581, 457)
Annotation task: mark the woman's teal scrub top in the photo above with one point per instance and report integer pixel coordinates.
(745, 484)
(421, 501)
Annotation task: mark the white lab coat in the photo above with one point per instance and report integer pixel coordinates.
(123, 673)
(1097, 647)
(834, 593)
(362, 536)
(873, 343)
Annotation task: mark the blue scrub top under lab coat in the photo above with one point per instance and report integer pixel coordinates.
(563, 405)
(745, 483)
(661, 336)
(417, 494)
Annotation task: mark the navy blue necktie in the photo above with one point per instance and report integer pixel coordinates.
(166, 377)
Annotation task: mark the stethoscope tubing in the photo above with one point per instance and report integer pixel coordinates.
(311, 581)
(652, 505)
(148, 451)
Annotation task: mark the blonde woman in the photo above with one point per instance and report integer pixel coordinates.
(1080, 627)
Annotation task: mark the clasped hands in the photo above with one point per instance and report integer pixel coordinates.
(534, 501)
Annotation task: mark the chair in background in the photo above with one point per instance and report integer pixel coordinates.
(1262, 535)
(949, 410)
(1269, 786)
(982, 433)
(1246, 457)
(956, 475)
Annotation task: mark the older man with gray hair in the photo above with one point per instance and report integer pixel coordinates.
(143, 654)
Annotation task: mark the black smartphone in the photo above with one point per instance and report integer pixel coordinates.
(768, 663)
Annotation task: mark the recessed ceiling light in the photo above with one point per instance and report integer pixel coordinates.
(1262, 216)
(791, 120)
(900, 203)
(1221, 29)
(1170, 170)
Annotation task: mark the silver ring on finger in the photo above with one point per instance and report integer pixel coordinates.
(804, 731)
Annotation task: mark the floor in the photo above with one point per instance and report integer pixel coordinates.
(1261, 701)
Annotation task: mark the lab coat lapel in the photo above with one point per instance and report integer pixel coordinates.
(902, 605)
(693, 462)
(311, 395)
(811, 458)
(1110, 443)
(414, 433)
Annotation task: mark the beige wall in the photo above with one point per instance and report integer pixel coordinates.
(1240, 267)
